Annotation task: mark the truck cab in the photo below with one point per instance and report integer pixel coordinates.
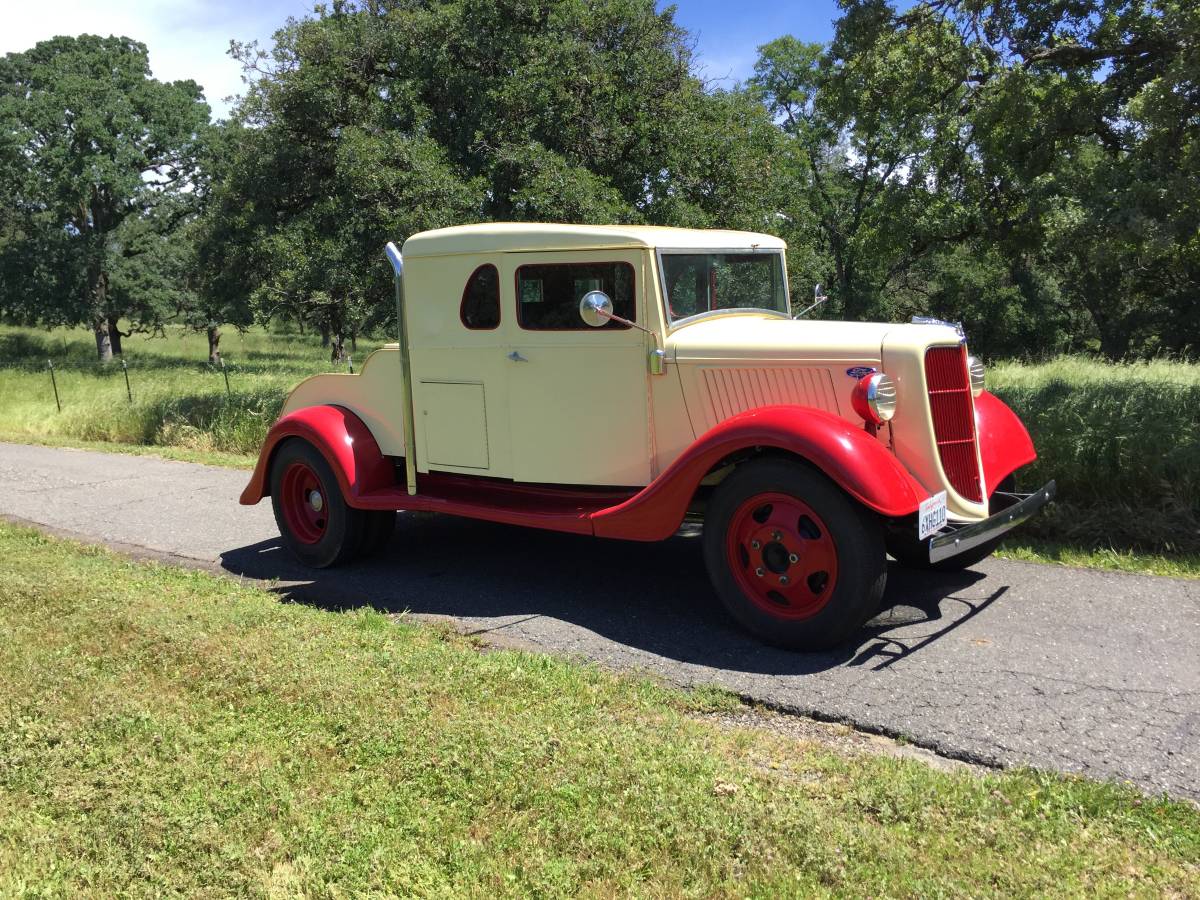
(614, 380)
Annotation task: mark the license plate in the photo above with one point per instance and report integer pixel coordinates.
(931, 516)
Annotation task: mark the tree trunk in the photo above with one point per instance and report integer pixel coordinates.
(1114, 340)
(854, 303)
(214, 342)
(103, 339)
(337, 353)
(354, 342)
(102, 326)
(1115, 330)
(324, 335)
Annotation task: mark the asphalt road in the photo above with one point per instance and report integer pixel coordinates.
(1012, 663)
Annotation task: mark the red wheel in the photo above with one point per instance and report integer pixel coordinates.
(794, 560)
(782, 555)
(315, 521)
(303, 502)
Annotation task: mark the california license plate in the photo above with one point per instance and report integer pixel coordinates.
(931, 516)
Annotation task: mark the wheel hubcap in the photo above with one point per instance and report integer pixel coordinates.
(302, 499)
(782, 555)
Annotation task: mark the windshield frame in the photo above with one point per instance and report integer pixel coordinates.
(664, 300)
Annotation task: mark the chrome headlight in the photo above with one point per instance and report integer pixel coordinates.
(975, 367)
(874, 398)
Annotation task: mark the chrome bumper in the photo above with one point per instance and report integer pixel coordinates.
(955, 539)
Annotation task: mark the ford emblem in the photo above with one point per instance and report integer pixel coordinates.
(860, 371)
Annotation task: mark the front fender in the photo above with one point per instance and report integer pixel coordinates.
(341, 437)
(1004, 444)
(859, 464)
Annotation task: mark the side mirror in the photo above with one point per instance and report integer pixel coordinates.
(595, 308)
(818, 299)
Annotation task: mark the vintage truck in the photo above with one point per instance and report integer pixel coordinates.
(617, 381)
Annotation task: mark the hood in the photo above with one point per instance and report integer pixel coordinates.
(765, 338)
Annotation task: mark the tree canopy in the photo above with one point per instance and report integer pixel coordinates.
(376, 120)
(1029, 167)
(97, 161)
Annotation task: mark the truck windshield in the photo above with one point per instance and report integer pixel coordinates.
(702, 282)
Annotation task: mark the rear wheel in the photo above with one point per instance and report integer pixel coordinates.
(316, 523)
(792, 558)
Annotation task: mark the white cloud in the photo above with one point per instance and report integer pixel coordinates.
(186, 38)
(725, 69)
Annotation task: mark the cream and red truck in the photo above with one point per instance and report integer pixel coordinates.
(618, 381)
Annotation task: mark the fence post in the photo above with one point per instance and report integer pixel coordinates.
(128, 389)
(54, 383)
(225, 372)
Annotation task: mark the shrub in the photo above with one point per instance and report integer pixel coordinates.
(1123, 442)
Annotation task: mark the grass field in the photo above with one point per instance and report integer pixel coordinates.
(170, 732)
(179, 400)
(1123, 441)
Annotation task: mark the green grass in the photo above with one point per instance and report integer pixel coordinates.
(182, 454)
(170, 732)
(1031, 549)
(1123, 442)
(179, 400)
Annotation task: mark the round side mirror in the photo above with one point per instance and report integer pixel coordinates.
(595, 308)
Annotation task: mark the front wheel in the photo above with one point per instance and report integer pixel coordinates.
(316, 523)
(793, 559)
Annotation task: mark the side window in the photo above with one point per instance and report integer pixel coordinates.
(548, 295)
(480, 307)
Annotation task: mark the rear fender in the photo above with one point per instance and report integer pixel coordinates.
(1004, 444)
(341, 437)
(857, 462)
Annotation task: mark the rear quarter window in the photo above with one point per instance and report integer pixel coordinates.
(480, 307)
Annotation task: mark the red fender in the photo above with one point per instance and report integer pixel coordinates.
(856, 461)
(342, 438)
(1004, 444)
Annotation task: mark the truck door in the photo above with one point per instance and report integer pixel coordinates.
(577, 394)
(459, 371)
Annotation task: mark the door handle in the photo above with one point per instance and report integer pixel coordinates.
(517, 357)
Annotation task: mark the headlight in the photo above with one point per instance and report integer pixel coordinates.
(975, 367)
(874, 398)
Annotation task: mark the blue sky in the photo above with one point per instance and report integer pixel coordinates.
(728, 34)
(189, 38)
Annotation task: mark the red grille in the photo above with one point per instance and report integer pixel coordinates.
(949, 387)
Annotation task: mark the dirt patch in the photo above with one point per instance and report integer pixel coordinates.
(837, 737)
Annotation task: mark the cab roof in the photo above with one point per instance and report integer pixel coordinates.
(515, 237)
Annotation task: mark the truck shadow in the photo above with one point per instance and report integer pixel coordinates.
(610, 599)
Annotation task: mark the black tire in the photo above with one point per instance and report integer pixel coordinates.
(339, 533)
(378, 531)
(914, 554)
(851, 535)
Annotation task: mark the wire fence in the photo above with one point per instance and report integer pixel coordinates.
(109, 369)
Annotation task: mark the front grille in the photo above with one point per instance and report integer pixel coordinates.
(949, 386)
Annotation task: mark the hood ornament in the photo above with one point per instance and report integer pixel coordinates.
(932, 320)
